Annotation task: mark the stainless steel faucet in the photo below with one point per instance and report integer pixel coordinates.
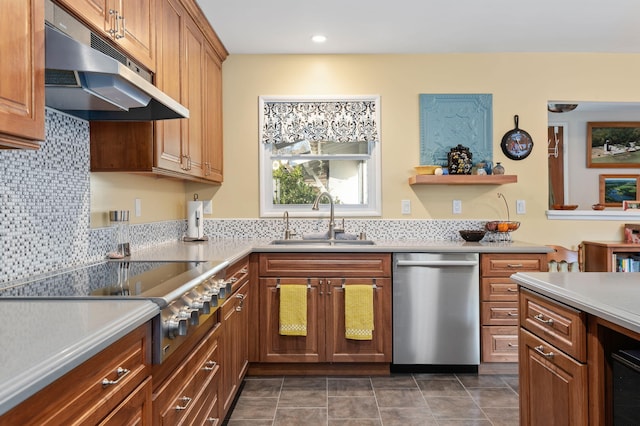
(287, 232)
(332, 222)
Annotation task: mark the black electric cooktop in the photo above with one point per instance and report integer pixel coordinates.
(113, 279)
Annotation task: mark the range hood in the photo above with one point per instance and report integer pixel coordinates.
(87, 83)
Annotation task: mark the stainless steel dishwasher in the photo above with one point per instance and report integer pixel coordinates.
(436, 312)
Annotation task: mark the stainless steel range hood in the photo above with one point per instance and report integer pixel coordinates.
(85, 82)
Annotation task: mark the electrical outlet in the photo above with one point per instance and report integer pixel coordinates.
(138, 207)
(405, 206)
(521, 207)
(457, 206)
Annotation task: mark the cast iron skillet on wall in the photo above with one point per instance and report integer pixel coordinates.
(516, 144)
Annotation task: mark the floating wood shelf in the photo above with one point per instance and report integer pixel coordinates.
(462, 179)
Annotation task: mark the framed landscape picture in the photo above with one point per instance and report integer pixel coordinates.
(615, 189)
(613, 144)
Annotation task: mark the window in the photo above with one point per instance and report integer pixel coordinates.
(312, 145)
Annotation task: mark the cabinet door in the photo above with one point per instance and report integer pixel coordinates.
(212, 115)
(169, 78)
(277, 348)
(193, 144)
(553, 386)
(341, 349)
(137, 30)
(22, 74)
(93, 12)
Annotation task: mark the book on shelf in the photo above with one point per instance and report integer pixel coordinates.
(629, 263)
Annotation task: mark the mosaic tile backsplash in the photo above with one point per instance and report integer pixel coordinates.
(45, 211)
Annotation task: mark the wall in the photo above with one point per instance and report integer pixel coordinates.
(520, 83)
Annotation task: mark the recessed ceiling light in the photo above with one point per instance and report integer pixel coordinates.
(318, 39)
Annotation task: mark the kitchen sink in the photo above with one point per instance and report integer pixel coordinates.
(324, 242)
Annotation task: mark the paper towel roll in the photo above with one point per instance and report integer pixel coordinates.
(195, 222)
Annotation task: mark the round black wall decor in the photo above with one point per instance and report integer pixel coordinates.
(516, 144)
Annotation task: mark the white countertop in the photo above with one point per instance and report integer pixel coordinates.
(43, 340)
(231, 250)
(614, 296)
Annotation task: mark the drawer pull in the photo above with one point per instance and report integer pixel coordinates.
(186, 401)
(512, 290)
(540, 350)
(514, 265)
(540, 318)
(209, 366)
(121, 372)
(212, 420)
(511, 345)
(512, 314)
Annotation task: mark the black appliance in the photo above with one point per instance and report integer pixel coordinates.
(626, 387)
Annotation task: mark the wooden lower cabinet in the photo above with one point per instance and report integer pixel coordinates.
(190, 394)
(554, 384)
(499, 302)
(326, 275)
(80, 397)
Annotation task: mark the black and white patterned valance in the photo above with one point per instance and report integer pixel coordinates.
(339, 120)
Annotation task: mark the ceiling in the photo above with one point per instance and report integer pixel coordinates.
(425, 26)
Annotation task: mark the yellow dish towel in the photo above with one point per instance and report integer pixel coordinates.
(358, 315)
(293, 310)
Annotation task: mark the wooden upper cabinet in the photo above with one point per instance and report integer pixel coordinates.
(22, 74)
(213, 115)
(128, 23)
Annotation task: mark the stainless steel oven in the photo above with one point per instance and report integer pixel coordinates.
(187, 293)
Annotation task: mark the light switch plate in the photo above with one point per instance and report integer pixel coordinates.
(406, 206)
(138, 207)
(521, 207)
(457, 207)
(207, 207)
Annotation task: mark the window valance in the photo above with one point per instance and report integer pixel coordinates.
(338, 120)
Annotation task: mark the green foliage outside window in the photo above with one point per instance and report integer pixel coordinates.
(291, 187)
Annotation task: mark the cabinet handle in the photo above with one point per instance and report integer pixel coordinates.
(511, 345)
(186, 401)
(328, 287)
(209, 365)
(540, 318)
(511, 314)
(188, 162)
(121, 372)
(514, 265)
(512, 290)
(212, 420)
(540, 350)
(320, 287)
(240, 296)
(123, 30)
(114, 13)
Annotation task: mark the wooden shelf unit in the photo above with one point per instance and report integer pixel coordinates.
(462, 179)
(600, 256)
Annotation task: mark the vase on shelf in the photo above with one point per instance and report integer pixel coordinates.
(498, 169)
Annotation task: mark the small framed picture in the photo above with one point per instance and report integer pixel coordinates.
(631, 205)
(614, 189)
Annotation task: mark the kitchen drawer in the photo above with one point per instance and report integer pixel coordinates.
(499, 313)
(499, 289)
(506, 264)
(560, 325)
(325, 264)
(500, 344)
(182, 396)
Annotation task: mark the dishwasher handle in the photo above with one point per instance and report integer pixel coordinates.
(436, 263)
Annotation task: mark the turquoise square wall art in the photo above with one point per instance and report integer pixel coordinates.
(449, 120)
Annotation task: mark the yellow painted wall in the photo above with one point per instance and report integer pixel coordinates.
(520, 83)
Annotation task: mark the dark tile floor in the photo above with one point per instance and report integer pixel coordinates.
(410, 399)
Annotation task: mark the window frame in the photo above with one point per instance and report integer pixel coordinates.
(373, 178)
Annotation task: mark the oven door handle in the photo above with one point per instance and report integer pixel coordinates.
(436, 263)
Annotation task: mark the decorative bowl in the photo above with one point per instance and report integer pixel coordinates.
(564, 206)
(426, 170)
(472, 235)
(598, 206)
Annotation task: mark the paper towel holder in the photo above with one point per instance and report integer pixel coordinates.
(196, 223)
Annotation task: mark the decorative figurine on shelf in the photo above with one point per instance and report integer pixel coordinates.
(498, 169)
(459, 161)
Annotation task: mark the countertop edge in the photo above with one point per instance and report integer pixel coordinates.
(580, 301)
(34, 379)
